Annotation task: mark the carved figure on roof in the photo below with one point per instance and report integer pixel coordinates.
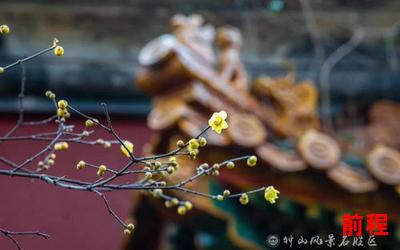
(191, 31)
(295, 105)
(229, 41)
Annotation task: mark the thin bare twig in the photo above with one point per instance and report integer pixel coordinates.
(11, 235)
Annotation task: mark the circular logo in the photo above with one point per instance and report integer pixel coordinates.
(273, 240)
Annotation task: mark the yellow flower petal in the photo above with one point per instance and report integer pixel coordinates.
(217, 121)
(223, 114)
(271, 194)
(224, 125)
(129, 146)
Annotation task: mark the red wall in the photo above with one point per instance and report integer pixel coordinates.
(74, 219)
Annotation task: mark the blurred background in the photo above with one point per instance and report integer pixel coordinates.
(105, 38)
(348, 49)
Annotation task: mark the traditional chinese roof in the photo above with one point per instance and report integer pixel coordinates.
(275, 118)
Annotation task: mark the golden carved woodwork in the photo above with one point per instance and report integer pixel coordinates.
(182, 67)
(295, 105)
(230, 66)
(287, 161)
(178, 71)
(384, 163)
(385, 122)
(246, 130)
(382, 128)
(351, 179)
(318, 150)
(190, 31)
(166, 113)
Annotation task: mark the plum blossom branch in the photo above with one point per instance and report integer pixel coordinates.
(152, 173)
(13, 235)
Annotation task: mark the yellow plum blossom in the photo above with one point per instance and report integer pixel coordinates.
(181, 210)
(271, 194)
(81, 165)
(102, 170)
(129, 229)
(4, 29)
(50, 94)
(217, 121)
(244, 199)
(59, 51)
(194, 144)
(252, 161)
(180, 143)
(188, 205)
(129, 146)
(202, 141)
(61, 146)
(62, 104)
